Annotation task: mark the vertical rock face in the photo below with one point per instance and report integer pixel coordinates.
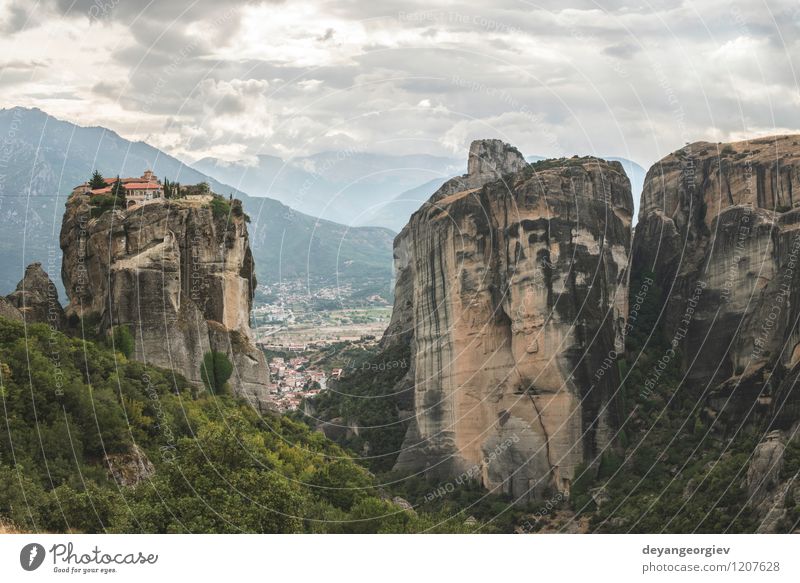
(719, 226)
(512, 294)
(180, 278)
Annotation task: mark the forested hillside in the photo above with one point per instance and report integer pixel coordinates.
(94, 442)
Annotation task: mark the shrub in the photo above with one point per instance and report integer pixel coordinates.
(122, 340)
(220, 208)
(103, 202)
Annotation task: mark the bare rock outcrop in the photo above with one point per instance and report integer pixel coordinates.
(8, 311)
(131, 468)
(488, 160)
(719, 229)
(35, 299)
(179, 277)
(768, 489)
(511, 290)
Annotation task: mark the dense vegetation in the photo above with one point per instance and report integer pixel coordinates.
(367, 396)
(101, 203)
(70, 406)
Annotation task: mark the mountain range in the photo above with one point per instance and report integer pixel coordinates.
(362, 198)
(352, 188)
(355, 188)
(42, 158)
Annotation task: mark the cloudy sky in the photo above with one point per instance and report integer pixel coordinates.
(238, 78)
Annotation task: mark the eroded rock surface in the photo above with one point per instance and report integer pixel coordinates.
(511, 291)
(36, 299)
(180, 278)
(8, 311)
(725, 219)
(768, 489)
(131, 468)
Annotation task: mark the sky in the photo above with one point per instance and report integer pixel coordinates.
(236, 79)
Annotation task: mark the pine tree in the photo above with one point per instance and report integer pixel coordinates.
(118, 189)
(97, 181)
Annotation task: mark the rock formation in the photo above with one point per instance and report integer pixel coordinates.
(35, 300)
(511, 289)
(8, 311)
(179, 276)
(767, 492)
(719, 227)
(130, 468)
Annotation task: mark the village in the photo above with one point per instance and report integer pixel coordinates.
(287, 317)
(292, 381)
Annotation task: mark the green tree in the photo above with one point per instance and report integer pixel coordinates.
(123, 340)
(118, 189)
(97, 181)
(215, 371)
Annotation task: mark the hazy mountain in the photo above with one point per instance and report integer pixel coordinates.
(636, 175)
(394, 213)
(356, 188)
(346, 187)
(43, 158)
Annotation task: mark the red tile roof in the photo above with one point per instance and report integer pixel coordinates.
(142, 186)
(122, 180)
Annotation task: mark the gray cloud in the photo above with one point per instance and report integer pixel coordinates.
(622, 50)
(242, 78)
(16, 17)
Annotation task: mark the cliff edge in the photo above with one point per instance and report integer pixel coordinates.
(179, 274)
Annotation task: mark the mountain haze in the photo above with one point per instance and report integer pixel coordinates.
(43, 158)
(348, 186)
(356, 188)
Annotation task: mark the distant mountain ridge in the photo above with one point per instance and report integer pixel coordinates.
(42, 158)
(347, 187)
(357, 188)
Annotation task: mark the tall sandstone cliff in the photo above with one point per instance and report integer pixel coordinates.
(719, 227)
(181, 278)
(511, 289)
(720, 224)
